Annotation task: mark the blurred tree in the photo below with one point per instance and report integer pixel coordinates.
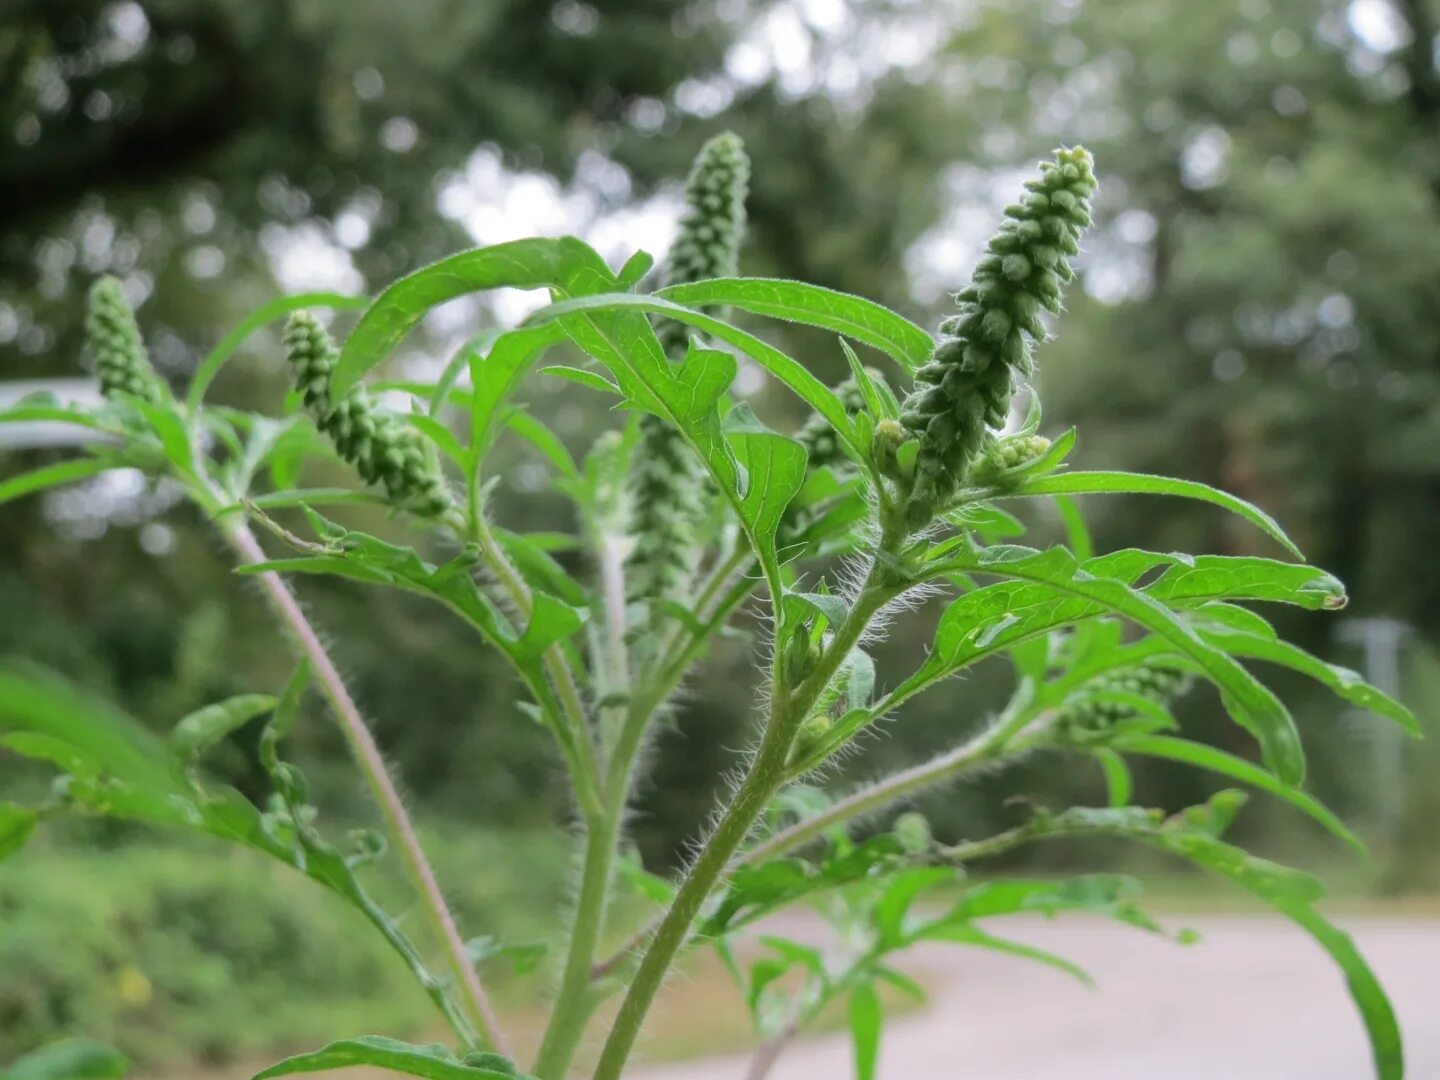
(1264, 301)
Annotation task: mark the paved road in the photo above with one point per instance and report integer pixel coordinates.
(1254, 1000)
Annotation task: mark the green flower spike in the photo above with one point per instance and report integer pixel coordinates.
(669, 486)
(383, 449)
(120, 357)
(964, 391)
(1086, 719)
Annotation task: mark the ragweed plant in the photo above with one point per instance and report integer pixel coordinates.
(905, 493)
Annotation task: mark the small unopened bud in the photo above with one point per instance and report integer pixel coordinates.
(1007, 456)
(890, 436)
(801, 656)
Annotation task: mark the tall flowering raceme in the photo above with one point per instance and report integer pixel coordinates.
(668, 485)
(120, 357)
(964, 391)
(383, 449)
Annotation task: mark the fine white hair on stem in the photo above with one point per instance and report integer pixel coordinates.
(910, 600)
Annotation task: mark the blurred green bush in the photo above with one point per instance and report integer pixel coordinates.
(193, 955)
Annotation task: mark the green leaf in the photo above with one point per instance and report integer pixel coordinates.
(756, 890)
(757, 473)
(534, 263)
(197, 732)
(592, 379)
(859, 676)
(365, 558)
(1252, 705)
(497, 373)
(32, 700)
(432, 1061)
(775, 467)
(1369, 996)
(362, 557)
(39, 746)
(1243, 633)
(30, 411)
(264, 436)
(551, 620)
(17, 824)
(1292, 893)
(788, 370)
(902, 982)
(1114, 896)
(866, 1018)
(440, 435)
(169, 427)
(281, 500)
(442, 392)
(524, 957)
(72, 1059)
(1237, 768)
(1090, 483)
(795, 301)
(828, 606)
(1077, 533)
(962, 933)
(545, 441)
(231, 342)
(528, 552)
(287, 710)
(62, 472)
(1118, 784)
(876, 406)
(1194, 835)
(893, 907)
(635, 268)
(1240, 577)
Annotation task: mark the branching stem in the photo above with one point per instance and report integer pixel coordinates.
(766, 774)
(382, 787)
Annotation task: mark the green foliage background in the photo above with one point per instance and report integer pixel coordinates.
(1261, 311)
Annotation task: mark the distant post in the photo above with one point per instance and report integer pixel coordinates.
(1380, 639)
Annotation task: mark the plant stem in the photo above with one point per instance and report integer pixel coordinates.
(382, 787)
(769, 1053)
(755, 792)
(575, 1000)
(584, 770)
(991, 745)
(764, 778)
(617, 655)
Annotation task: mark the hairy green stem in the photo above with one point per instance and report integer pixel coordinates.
(576, 999)
(764, 778)
(766, 775)
(583, 767)
(637, 721)
(995, 743)
(382, 787)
